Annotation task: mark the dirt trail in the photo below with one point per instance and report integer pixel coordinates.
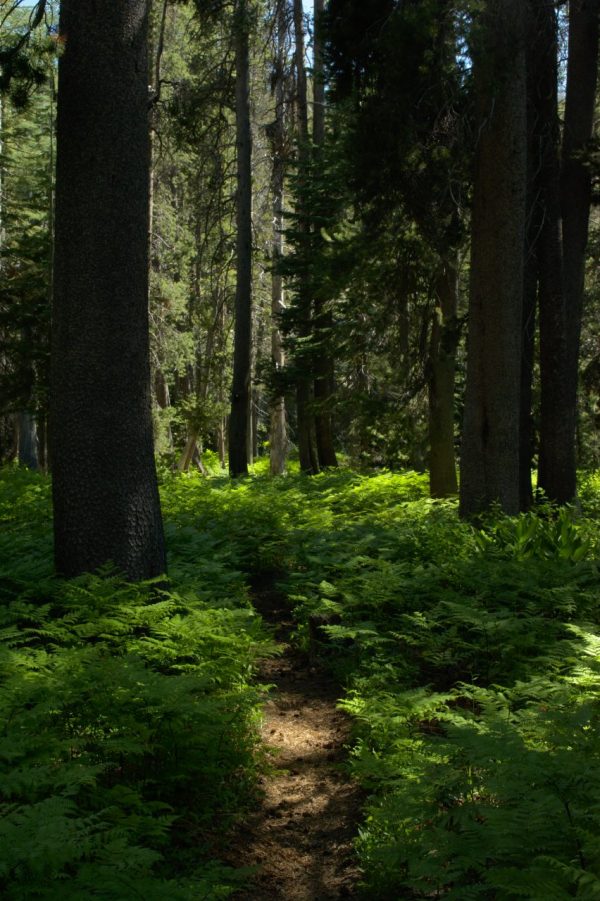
(301, 834)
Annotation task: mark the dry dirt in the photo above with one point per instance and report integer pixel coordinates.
(301, 835)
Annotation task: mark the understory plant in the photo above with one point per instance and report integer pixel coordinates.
(129, 718)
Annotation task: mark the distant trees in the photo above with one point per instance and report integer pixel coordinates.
(27, 113)
(310, 285)
(106, 506)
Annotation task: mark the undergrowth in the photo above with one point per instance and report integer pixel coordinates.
(128, 715)
(472, 664)
(471, 660)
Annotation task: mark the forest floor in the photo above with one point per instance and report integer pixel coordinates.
(301, 835)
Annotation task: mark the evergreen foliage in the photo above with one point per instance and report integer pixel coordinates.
(26, 198)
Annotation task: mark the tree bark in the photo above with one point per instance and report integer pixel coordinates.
(557, 426)
(530, 274)
(526, 424)
(239, 421)
(28, 440)
(278, 443)
(442, 364)
(307, 445)
(323, 320)
(106, 504)
(582, 75)
(490, 445)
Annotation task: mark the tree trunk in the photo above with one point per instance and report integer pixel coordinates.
(278, 435)
(28, 441)
(324, 364)
(530, 275)
(106, 504)
(250, 431)
(221, 432)
(42, 443)
(490, 445)
(526, 430)
(576, 186)
(557, 425)
(307, 445)
(239, 421)
(442, 364)
(278, 443)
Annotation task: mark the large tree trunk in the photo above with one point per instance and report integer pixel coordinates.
(106, 505)
(576, 188)
(557, 426)
(307, 445)
(490, 447)
(239, 420)
(442, 364)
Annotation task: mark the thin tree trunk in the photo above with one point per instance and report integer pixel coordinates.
(324, 364)
(255, 424)
(530, 274)
(221, 432)
(250, 431)
(278, 442)
(526, 430)
(490, 446)
(307, 445)
(43, 443)
(278, 435)
(242, 356)
(106, 504)
(163, 400)
(28, 443)
(442, 364)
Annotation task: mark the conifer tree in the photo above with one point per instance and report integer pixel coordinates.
(240, 419)
(490, 444)
(106, 505)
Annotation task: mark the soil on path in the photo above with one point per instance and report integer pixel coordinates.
(301, 836)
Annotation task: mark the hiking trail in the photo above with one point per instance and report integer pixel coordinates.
(301, 835)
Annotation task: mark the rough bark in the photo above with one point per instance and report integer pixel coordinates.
(323, 320)
(278, 433)
(576, 188)
(526, 425)
(307, 445)
(490, 446)
(239, 420)
(530, 277)
(442, 363)
(278, 443)
(106, 505)
(557, 426)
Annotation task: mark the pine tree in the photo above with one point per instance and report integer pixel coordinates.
(106, 506)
